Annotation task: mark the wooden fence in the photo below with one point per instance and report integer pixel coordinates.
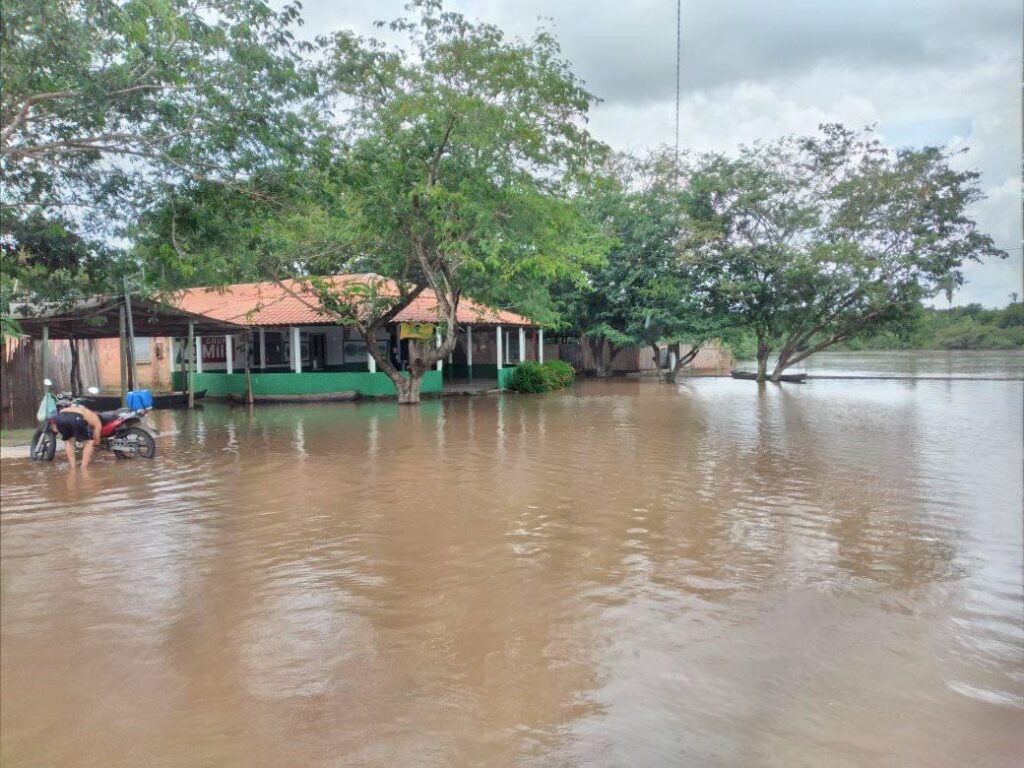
(21, 376)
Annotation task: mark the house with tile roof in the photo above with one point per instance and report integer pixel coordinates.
(295, 347)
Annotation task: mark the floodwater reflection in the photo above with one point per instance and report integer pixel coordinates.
(631, 573)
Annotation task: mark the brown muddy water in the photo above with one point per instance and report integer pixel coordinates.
(633, 573)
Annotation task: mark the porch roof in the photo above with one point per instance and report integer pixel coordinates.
(288, 303)
(98, 318)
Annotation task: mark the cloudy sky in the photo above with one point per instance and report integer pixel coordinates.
(922, 71)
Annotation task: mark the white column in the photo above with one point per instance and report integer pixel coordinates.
(296, 350)
(540, 345)
(199, 354)
(522, 344)
(371, 364)
(263, 349)
(229, 353)
(437, 342)
(469, 345)
(499, 348)
(672, 360)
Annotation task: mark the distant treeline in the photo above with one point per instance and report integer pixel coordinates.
(968, 327)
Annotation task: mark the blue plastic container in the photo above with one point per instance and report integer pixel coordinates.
(140, 398)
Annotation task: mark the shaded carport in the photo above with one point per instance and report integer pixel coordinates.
(118, 317)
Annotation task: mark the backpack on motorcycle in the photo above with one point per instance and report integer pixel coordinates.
(47, 408)
(139, 399)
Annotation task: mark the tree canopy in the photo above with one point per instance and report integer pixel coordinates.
(101, 99)
(821, 238)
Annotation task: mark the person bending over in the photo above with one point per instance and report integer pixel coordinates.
(78, 423)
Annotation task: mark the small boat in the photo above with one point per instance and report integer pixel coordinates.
(792, 378)
(344, 396)
(165, 400)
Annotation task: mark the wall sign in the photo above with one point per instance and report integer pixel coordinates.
(214, 349)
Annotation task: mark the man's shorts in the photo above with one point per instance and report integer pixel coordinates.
(73, 425)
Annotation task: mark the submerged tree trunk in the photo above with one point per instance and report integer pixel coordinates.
(422, 356)
(597, 346)
(684, 360)
(785, 354)
(248, 367)
(764, 349)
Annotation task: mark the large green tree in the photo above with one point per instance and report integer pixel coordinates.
(106, 104)
(454, 168)
(815, 240)
(462, 149)
(650, 291)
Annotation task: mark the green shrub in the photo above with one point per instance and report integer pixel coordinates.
(563, 373)
(528, 377)
(531, 377)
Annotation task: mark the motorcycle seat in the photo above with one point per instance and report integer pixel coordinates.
(108, 416)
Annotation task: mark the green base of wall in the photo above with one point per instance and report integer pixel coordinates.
(504, 375)
(365, 383)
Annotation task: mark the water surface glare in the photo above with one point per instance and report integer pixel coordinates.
(712, 573)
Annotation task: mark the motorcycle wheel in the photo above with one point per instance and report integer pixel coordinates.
(140, 442)
(44, 445)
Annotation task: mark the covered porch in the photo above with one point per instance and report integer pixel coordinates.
(321, 359)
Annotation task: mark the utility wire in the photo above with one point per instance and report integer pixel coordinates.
(679, 56)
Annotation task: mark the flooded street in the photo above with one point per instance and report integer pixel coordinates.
(629, 573)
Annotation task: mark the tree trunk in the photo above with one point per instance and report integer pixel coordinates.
(420, 361)
(595, 345)
(76, 368)
(409, 388)
(683, 360)
(671, 363)
(763, 351)
(782, 363)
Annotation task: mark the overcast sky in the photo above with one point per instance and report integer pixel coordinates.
(922, 71)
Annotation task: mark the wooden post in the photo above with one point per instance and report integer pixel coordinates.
(122, 333)
(190, 354)
(469, 351)
(130, 348)
(499, 348)
(248, 369)
(540, 345)
(45, 350)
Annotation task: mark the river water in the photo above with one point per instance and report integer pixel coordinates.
(632, 573)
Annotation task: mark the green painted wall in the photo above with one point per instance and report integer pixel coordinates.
(365, 383)
(461, 371)
(504, 375)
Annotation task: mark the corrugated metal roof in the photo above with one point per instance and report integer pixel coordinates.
(288, 303)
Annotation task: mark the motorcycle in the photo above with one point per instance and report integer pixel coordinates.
(121, 433)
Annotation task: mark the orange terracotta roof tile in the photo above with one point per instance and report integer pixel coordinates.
(270, 303)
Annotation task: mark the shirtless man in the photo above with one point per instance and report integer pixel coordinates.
(77, 422)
